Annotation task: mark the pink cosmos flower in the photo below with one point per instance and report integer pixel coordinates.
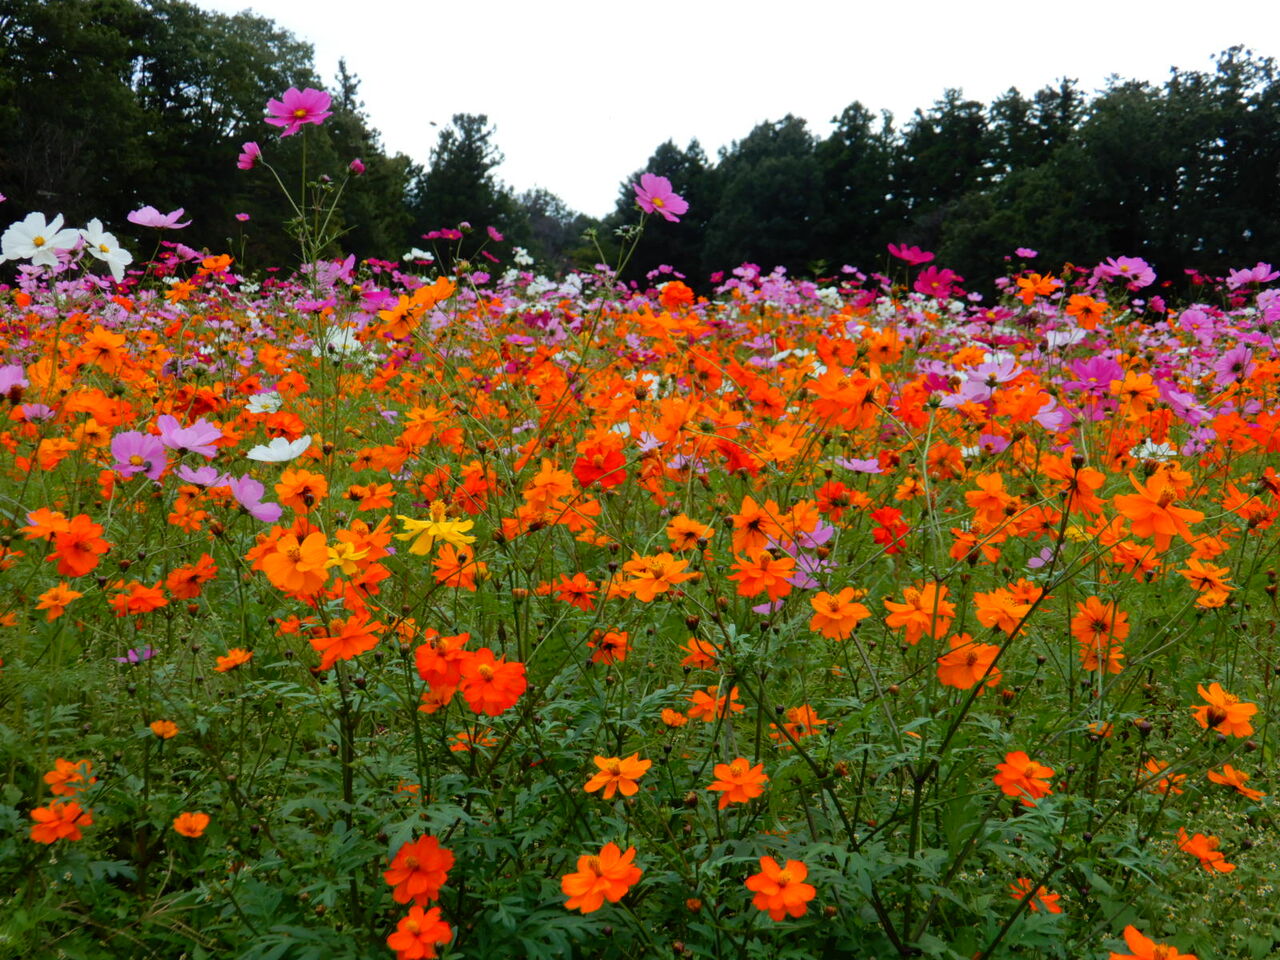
(356, 166)
(933, 282)
(1262, 273)
(151, 217)
(654, 193)
(913, 255)
(250, 156)
(1134, 272)
(298, 107)
(242, 217)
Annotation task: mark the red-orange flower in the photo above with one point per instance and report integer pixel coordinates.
(491, 685)
(781, 891)
(836, 616)
(1020, 776)
(618, 775)
(607, 875)
(1151, 513)
(739, 781)
(234, 658)
(1233, 778)
(349, 638)
(925, 611)
(1146, 949)
(968, 663)
(1040, 897)
(59, 821)
(764, 573)
(297, 566)
(191, 824)
(708, 704)
(1205, 849)
(78, 547)
(1224, 712)
(418, 871)
(418, 934)
(68, 778)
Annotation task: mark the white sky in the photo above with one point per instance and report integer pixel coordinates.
(582, 92)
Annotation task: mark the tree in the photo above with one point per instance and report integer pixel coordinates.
(862, 211)
(460, 186)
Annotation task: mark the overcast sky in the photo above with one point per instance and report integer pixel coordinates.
(582, 92)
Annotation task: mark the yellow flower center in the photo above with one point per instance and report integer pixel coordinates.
(657, 202)
(136, 460)
(104, 248)
(739, 767)
(784, 877)
(37, 241)
(613, 767)
(485, 671)
(300, 112)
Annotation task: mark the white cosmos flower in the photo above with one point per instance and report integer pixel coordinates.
(268, 402)
(279, 450)
(103, 246)
(1149, 450)
(36, 240)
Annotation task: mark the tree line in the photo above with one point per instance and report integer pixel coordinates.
(106, 105)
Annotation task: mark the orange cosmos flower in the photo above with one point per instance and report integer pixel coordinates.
(66, 779)
(137, 598)
(1224, 712)
(1145, 949)
(1041, 897)
(968, 663)
(651, 576)
(1166, 784)
(607, 875)
(702, 654)
(418, 934)
(164, 729)
(739, 781)
(580, 591)
(1036, 285)
(55, 601)
(990, 500)
(491, 685)
(418, 871)
(78, 547)
(1002, 609)
(609, 646)
(1020, 776)
(191, 824)
(1209, 581)
(836, 616)
(59, 821)
(1100, 628)
(802, 721)
(709, 705)
(1231, 777)
(185, 583)
(234, 658)
(685, 532)
(925, 610)
(617, 775)
(1151, 513)
(781, 891)
(1205, 849)
(350, 637)
(1137, 393)
(297, 566)
(673, 718)
(754, 526)
(764, 573)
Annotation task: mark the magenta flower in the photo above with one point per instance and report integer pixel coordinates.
(654, 194)
(298, 107)
(151, 217)
(1134, 272)
(242, 217)
(136, 452)
(913, 255)
(136, 656)
(250, 156)
(933, 282)
(356, 166)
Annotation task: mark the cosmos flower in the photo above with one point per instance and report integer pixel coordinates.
(654, 194)
(297, 107)
(151, 217)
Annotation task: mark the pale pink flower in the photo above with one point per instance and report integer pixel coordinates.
(151, 217)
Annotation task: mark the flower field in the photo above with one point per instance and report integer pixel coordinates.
(384, 612)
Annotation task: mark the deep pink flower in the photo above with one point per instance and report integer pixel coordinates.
(913, 255)
(1134, 272)
(356, 166)
(654, 193)
(249, 157)
(151, 217)
(298, 107)
(933, 282)
(1262, 273)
